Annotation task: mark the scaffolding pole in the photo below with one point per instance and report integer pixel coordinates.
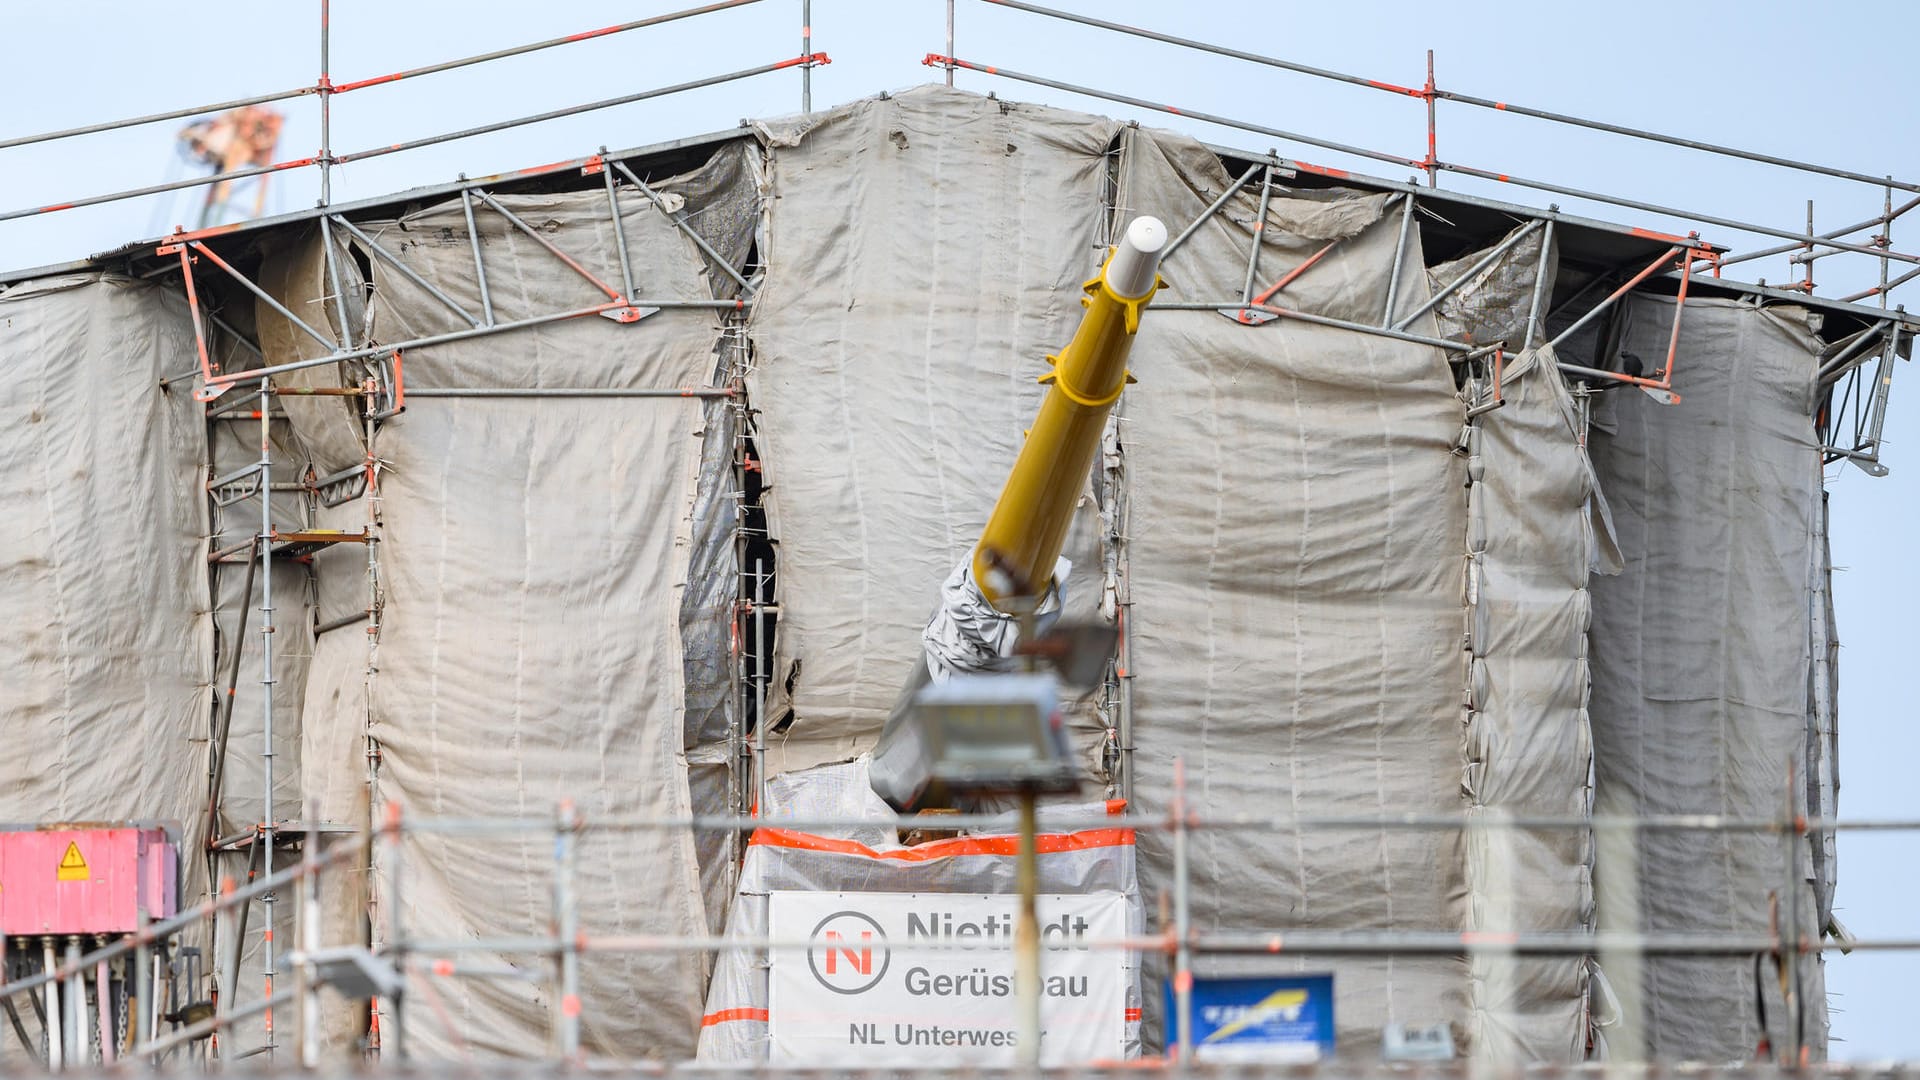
(265, 840)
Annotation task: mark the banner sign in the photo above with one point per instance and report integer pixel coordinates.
(1285, 1018)
(927, 978)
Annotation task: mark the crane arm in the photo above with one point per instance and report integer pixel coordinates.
(1014, 560)
(1012, 570)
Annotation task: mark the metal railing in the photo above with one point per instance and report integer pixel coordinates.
(324, 90)
(1806, 248)
(382, 851)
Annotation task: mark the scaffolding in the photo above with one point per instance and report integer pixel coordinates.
(1592, 265)
(408, 966)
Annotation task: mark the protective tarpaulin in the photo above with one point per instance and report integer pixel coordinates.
(1297, 562)
(332, 432)
(1080, 851)
(107, 643)
(925, 253)
(1495, 300)
(533, 556)
(713, 586)
(1700, 655)
(1531, 542)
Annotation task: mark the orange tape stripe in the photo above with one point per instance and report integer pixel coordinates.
(939, 849)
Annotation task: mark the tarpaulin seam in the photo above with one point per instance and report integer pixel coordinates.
(1371, 347)
(1210, 837)
(439, 635)
(528, 876)
(1299, 637)
(54, 566)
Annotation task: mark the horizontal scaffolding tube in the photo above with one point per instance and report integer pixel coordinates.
(575, 110)
(1675, 140)
(1887, 288)
(1324, 320)
(246, 378)
(1201, 46)
(977, 822)
(1464, 170)
(156, 189)
(381, 151)
(1828, 235)
(567, 392)
(1543, 943)
(1685, 215)
(519, 50)
(1615, 376)
(154, 118)
(341, 88)
(1463, 99)
(211, 1024)
(936, 60)
(1307, 942)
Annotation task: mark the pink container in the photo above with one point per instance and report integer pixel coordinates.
(86, 879)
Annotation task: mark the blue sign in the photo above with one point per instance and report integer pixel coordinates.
(1283, 1018)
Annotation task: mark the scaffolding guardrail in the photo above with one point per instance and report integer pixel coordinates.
(380, 849)
(1807, 247)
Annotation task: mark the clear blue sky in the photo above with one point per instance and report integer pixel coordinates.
(1822, 83)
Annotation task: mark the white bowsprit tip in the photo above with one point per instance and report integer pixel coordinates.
(1136, 258)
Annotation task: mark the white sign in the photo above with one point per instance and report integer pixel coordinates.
(926, 978)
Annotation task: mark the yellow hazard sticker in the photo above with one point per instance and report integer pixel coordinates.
(73, 865)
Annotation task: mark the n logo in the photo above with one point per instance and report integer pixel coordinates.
(861, 958)
(843, 952)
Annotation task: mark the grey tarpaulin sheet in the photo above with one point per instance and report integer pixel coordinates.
(1700, 651)
(107, 640)
(1495, 303)
(1097, 857)
(925, 253)
(1297, 557)
(332, 432)
(1531, 541)
(533, 557)
(721, 201)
